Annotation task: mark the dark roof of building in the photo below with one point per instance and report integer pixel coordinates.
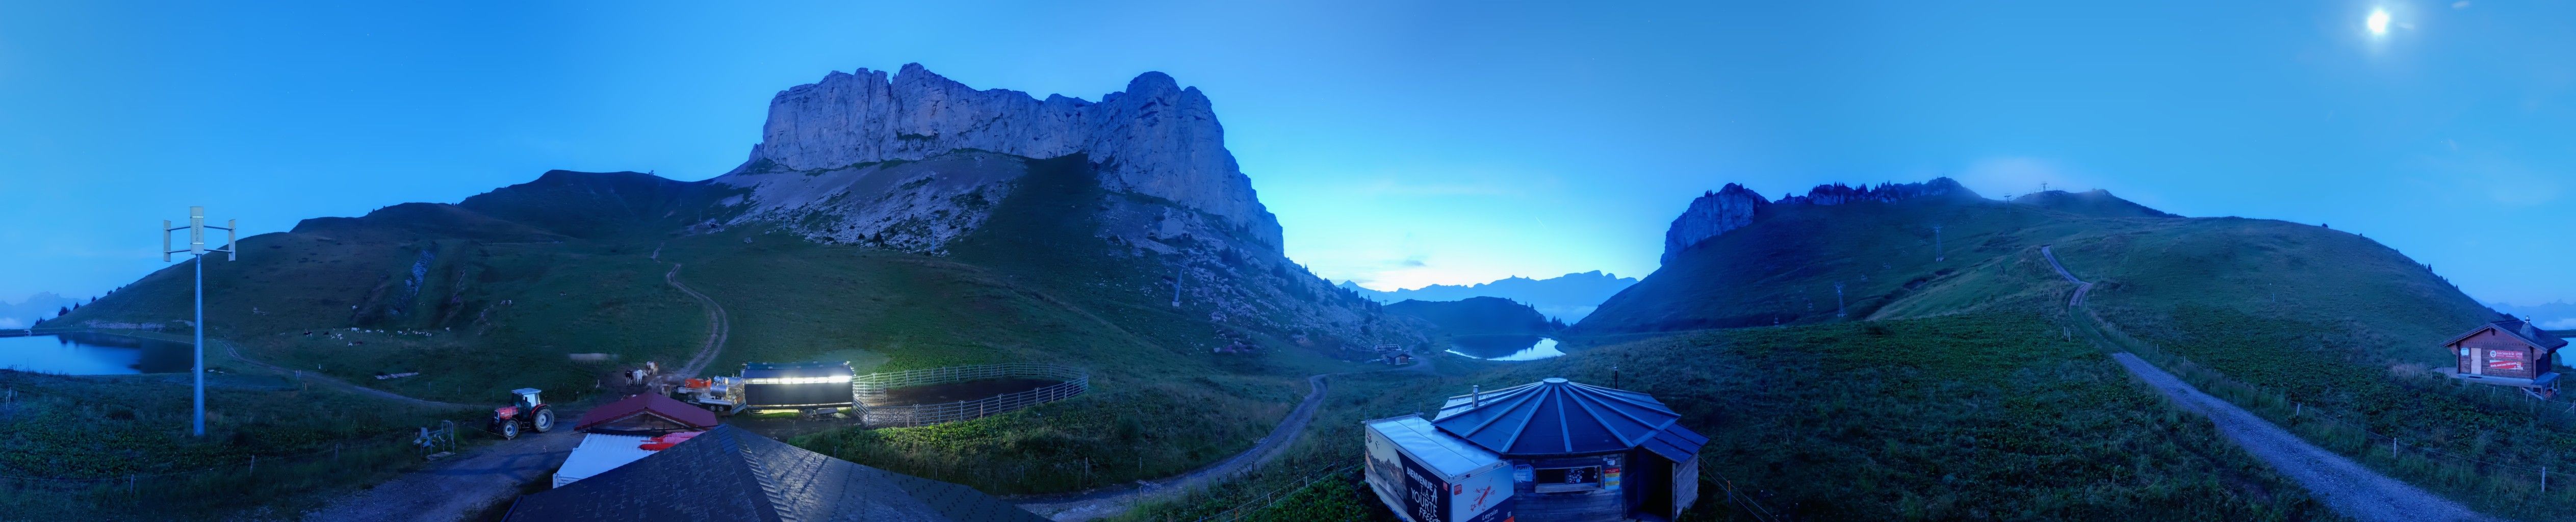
(664, 407)
(1558, 417)
(731, 474)
(2518, 329)
(803, 369)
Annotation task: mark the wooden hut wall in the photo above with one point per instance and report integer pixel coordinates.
(1685, 486)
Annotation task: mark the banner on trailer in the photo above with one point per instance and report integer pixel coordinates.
(1426, 497)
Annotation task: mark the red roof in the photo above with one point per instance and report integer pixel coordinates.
(656, 405)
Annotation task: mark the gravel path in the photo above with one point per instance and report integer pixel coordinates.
(718, 326)
(2343, 485)
(454, 488)
(1108, 502)
(2081, 287)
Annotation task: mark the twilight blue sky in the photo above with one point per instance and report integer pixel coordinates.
(1401, 143)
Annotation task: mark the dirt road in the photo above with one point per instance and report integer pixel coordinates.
(2081, 287)
(1113, 501)
(2343, 485)
(718, 326)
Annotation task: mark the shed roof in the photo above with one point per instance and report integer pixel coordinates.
(802, 369)
(647, 404)
(1557, 417)
(2517, 329)
(731, 474)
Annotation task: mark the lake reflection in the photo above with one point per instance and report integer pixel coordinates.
(1504, 347)
(93, 354)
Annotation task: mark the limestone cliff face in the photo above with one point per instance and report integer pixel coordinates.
(1734, 206)
(1156, 138)
(1713, 213)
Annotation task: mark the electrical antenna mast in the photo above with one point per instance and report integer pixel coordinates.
(197, 247)
(1838, 299)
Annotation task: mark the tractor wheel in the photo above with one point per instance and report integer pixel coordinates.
(509, 429)
(544, 421)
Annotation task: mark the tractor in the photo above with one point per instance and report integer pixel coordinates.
(524, 408)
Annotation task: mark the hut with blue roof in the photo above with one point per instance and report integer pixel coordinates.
(1572, 451)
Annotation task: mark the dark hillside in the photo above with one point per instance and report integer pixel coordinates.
(1783, 267)
(1477, 316)
(597, 205)
(2091, 203)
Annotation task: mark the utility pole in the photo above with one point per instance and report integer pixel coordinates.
(197, 247)
(1936, 244)
(1838, 299)
(1176, 285)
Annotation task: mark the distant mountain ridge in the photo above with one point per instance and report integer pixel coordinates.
(1568, 297)
(1478, 316)
(2559, 315)
(24, 313)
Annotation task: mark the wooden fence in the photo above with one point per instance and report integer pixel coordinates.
(874, 386)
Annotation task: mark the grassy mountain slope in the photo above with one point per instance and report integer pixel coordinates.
(1980, 416)
(1782, 269)
(492, 293)
(2282, 318)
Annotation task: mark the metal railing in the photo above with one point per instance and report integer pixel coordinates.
(874, 386)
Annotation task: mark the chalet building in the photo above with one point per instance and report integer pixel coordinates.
(646, 414)
(2509, 352)
(1552, 450)
(628, 430)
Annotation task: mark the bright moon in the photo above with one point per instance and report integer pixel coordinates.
(2378, 22)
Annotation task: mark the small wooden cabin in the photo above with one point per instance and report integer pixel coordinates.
(1582, 453)
(2509, 352)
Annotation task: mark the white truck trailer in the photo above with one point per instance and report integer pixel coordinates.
(1424, 475)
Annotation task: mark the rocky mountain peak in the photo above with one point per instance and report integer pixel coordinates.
(1155, 139)
(1713, 213)
(1734, 206)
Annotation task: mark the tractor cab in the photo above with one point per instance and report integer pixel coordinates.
(526, 398)
(525, 408)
